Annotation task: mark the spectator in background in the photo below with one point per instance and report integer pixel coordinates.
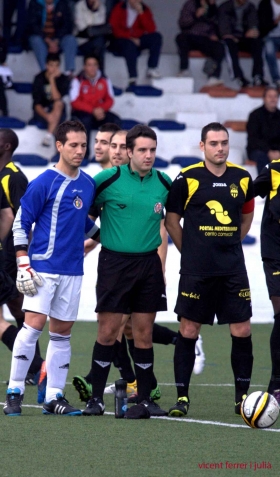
(14, 36)
(5, 77)
(263, 128)
(198, 22)
(90, 21)
(238, 25)
(50, 27)
(134, 30)
(48, 90)
(269, 22)
(92, 97)
(109, 7)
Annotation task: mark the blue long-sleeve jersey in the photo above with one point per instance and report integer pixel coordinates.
(58, 205)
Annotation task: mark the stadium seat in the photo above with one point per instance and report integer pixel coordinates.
(38, 123)
(185, 161)
(30, 160)
(10, 122)
(161, 163)
(55, 157)
(15, 49)
(25, 88)
(238, 126)
(144, 90)
(219, 91)
(129, 123)
(167, 125)
(117, 91)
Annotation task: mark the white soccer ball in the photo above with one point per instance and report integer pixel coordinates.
(260, 409)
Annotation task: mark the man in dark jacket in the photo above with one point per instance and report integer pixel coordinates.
(263, 130)
(50, 27)
(238, 25)
(269, 23)
(49, 88)
(198, 22)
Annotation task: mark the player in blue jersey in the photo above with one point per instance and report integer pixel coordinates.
(50, 273)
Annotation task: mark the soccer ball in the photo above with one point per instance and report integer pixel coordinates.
(260, 409)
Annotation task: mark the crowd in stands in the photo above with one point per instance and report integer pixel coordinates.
(125, 28)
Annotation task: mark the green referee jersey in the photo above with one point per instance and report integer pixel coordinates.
(132, 208)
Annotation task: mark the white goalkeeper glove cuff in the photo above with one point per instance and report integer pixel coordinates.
(27, 278)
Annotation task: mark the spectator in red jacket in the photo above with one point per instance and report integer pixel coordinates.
(92, 97)
(134, 30)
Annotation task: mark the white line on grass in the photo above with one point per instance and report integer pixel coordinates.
(193, 384)
(166, 418)
(214, 385)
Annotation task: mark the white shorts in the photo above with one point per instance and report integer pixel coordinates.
(59, 297)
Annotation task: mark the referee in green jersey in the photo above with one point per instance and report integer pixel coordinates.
(216, 200)
(130, 276)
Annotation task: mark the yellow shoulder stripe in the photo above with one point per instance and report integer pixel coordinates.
(12, 166)
(192, 187)
(193, 166)
(5, 185)
(275, 182)
(230, 164)
(244, 183)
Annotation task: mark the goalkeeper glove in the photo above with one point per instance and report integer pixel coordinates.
(27, 278)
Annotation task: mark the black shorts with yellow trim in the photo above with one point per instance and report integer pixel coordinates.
(272, 275)
(201, 298)
(128, 283)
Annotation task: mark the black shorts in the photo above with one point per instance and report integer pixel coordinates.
(8, 289)
(272, 275)
(130, 283)
(201, 298)
(10, 266)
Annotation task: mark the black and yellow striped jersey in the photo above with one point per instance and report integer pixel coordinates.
(211, 207)
(267, 185)
(14, 183)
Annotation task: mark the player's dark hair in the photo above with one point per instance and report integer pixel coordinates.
(52, 57)
(212, 127)
(109, 127)
(64, 128)
(9, 137)
(93, 56)
(140, 130)
(120, 131)
(269, 88)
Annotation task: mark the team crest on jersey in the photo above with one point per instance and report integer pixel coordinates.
(100, 86)
(77, 202)
(233, 190)
(158, 208)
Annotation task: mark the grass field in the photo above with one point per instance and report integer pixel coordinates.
(211, 436)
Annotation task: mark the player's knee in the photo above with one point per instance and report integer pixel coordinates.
(189, 329)
(241, 330)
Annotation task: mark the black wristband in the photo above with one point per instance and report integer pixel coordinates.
(96, 235)
(18, 248)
